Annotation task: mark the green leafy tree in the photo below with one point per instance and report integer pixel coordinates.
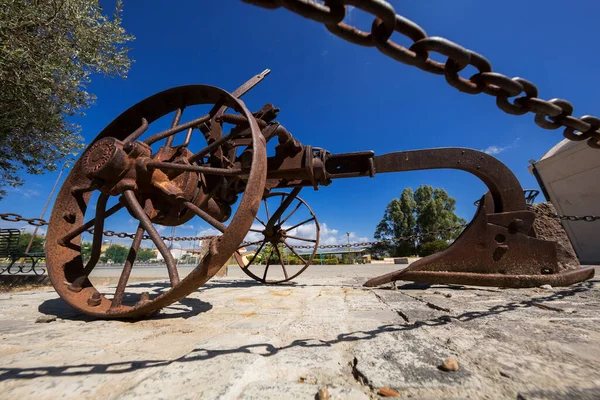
(424, 210)
(36, 247)
(48, 52)
(115, 252)
(146, 255)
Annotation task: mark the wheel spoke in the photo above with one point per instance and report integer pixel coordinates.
(98, 229)
(281, 261)
(301, 223)
(139, 213)
(256, 254)
(266, 208)
(259, 220)
(138, 132)
(295, 252)
(292, 213)
(179, 128)
(299, 238)
(205, 216)
(131, 256)
(267, 265)
(286, 203)
(196, 168)
(214, 145)
(76, 232)
(175, 122)
(256, 230)
(250, 244)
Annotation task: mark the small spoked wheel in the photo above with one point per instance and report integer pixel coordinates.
(135, 165)
(283, 241)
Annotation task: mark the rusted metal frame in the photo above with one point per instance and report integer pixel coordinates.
(205, 216)
(211, 147)
(179, 128)
(98, 232)
(65, 263)
(211, 129)
(78, 231)
(504, 187)
(219, 109)
(176, 120)
(137, 133)
(140, 214)
(131, 257)
(196, 168)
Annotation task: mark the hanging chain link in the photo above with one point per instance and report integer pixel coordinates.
(549, 114)
(11, 217)
(386, 241)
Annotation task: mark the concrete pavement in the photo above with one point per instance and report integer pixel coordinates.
(234, 338)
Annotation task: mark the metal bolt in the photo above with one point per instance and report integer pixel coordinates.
(95, 300)
(69, 217)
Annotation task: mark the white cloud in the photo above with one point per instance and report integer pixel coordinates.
(494, 150)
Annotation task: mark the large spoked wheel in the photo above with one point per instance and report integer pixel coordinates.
(158, 184)
(282, 244)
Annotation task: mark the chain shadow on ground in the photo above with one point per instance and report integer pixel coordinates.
(269, 350)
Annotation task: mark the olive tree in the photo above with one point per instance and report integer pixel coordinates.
(49, 49)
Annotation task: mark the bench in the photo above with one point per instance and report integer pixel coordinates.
(9, 250)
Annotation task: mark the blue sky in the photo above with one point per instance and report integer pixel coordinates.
(343, 97)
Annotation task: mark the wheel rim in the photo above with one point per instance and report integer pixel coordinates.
(292, 220)
(65, 265)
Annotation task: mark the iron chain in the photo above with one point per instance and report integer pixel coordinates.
(586, 218)
(549, 114)
(385, 241)
(11, 217)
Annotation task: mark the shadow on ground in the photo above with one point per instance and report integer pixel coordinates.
(185, 308)
(267, 349)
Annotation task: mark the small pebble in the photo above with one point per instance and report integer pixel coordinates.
(45, 319)
(323, 394)
(546, 287)
(504, 374)
(448, 295)
(449, 364)
(387, 392)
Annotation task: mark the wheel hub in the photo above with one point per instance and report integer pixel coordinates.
(274, 235)
(119, 167)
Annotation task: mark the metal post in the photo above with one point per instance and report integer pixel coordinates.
(348, 247)
(46, 206)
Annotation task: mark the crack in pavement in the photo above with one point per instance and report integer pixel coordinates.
(400, 313)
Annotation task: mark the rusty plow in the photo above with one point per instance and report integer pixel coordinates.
(220, 173)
